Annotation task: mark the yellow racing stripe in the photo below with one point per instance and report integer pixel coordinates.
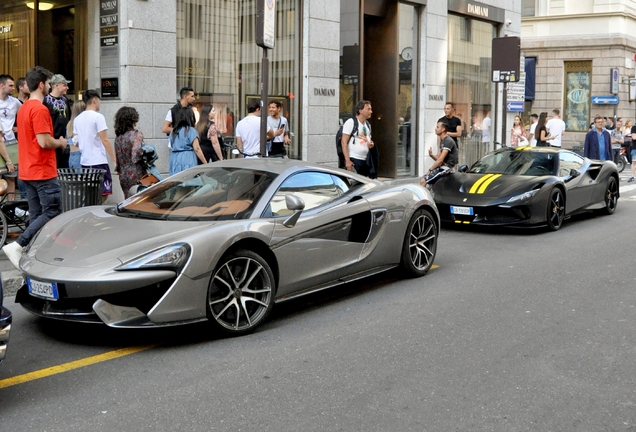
(65, 367)
(474, 187)
(485, 184)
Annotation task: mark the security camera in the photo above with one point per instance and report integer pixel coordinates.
(508, 23)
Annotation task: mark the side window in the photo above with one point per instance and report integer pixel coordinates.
(341, 185)
(314, 188)
(568, 162)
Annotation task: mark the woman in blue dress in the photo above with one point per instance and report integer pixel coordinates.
(184, 141)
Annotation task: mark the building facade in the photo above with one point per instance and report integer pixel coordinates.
(584, 56)
(408, 58)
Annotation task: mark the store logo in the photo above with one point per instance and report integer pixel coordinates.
(109, 5)
(324, 92)
(478, 10)
(5, 29)
(578, 96)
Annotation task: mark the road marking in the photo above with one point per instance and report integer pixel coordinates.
(65, 367)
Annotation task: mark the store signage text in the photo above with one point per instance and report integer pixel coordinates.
(324, 92)
(109, 5)
(436, 97)
(478, 10)
(6, 29)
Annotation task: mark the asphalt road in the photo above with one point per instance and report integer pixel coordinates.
(515, 331)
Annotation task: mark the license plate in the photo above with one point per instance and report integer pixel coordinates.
(462, 210)
(42, 289)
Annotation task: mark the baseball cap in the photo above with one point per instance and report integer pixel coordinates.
(59, 79)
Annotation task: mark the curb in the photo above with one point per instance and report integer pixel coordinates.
(12, 280)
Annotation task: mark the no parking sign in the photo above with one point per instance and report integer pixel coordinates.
(614, 81)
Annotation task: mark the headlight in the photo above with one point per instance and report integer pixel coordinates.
(523, 196)
(170, 257)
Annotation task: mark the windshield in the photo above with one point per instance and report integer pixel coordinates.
(516, 162)
(204, 193)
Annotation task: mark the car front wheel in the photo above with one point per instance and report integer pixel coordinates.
(556, 209)
(420, 244)
(241, 293)
(611, 196)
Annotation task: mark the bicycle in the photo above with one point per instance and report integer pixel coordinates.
(14, 215)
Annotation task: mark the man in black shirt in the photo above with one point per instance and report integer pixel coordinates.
(445, 159)
(454, 123)
(60, 108)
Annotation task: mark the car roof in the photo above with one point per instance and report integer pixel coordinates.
(280, 166)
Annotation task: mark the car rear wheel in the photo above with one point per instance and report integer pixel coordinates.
(611, 196)
(556, 209)
(420, 244)
(241, 293)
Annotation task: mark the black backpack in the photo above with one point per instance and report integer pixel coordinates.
(341, 160)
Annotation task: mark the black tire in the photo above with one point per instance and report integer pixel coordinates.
(241, 293)
(620, 163)
(611, 196)
(556, 209)
(4, 227)
(420, 244)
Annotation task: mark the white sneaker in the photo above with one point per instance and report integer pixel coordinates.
(14, 252)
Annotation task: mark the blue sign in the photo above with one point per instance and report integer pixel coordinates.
(605, 100)
(514, 106)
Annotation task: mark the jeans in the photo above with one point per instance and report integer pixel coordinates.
(44, 204)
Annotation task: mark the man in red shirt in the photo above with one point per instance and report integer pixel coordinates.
(37, 161)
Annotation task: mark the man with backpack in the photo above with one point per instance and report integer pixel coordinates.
(356, 142)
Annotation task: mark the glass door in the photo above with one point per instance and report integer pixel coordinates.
(408, 19)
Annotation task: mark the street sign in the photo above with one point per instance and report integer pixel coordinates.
(506, 54)
(614, 78)
(514, 106)
(605, 100)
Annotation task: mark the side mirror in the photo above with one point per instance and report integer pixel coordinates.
(463, 168)
(297, 205)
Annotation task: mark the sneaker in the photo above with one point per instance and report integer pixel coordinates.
(631, 179)
(14, 252)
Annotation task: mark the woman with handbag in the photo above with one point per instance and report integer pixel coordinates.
(128, 149)
(518, 133)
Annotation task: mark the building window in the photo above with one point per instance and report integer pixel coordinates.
(577, 89)
(528, 8)
(217, 56)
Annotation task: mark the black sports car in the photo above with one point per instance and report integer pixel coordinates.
(527, 186)
(5, 326)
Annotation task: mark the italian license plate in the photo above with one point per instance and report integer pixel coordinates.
(42, 289)
(468, 211)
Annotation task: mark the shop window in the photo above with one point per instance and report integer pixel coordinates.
(468, 82)
(217, 56)
(577, 90)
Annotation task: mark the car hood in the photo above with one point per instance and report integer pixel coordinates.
(94, 237)
(486, 185)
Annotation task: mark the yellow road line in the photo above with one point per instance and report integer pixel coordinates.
(65, 367)
(485, 185)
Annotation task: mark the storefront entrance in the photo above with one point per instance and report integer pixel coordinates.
(377, 64)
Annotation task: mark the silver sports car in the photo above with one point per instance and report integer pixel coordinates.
(222, 242)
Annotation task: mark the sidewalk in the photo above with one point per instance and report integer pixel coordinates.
(11, 277)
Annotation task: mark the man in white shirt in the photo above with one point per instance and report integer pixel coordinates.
(248, 131)
(276, 146)
(90, 127)
(534, 119)
(485, 128)
(9, 107)
(556, 128)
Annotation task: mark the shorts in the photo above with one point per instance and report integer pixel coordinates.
(107, 185)
(633, 153)
(437, 174)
